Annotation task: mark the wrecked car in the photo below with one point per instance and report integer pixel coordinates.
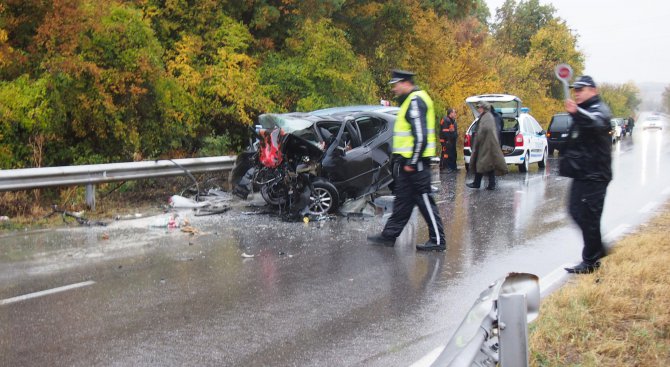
(310, 163)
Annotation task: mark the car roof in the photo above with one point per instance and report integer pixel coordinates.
(290, 122)
(355, 108)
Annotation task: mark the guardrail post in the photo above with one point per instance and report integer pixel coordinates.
(495, 330)
(90, 196)
(513, 330)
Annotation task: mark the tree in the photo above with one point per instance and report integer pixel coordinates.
(318, 69)
(621, 98)
(26, 114)
(106, 71)
(515, 24)
(219, 73)
(553, 44)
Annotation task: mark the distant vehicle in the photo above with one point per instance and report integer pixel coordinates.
(557, 133)
(523, 140)
(652, 122)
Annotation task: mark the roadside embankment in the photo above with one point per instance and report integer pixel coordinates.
(617, 316)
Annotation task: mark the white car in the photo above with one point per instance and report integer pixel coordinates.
(652, 122)
(523, 141)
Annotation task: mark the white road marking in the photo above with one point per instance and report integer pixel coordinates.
(429, 358)
(649, 207)
(45, 292)
(616, 233)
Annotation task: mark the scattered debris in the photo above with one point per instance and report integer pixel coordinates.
(189, 229)
(170, 221)
(199, 212)
(177, 201)
(78, 216)
(128, 216)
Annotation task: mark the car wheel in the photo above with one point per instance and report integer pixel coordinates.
(467, 167)
(551, 151)
(324, 199)
(523, 167)
(542, 163)
(273, 194)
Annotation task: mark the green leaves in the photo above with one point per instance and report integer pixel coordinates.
(318, 69)
(622, 99)
(92, 81)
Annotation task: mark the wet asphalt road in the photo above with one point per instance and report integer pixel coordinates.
(314, 294)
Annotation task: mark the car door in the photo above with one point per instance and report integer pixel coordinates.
(376, 137)
(540, 139)
(347, 162)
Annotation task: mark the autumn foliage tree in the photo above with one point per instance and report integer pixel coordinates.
(92, 81)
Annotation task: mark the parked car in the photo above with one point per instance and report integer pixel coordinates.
(557, 132)
(523, 140)
(652, 122)
(348, 155)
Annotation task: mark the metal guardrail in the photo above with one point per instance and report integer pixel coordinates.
(90, 175)
(33, 178)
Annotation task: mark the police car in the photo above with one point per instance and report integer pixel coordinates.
(523, 141)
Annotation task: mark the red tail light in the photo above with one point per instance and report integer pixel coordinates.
(466, 140)
(548, 134)
(518, 141)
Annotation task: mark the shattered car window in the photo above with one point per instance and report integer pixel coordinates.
(294, 125)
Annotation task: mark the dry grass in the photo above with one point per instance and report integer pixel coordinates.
(618, 316)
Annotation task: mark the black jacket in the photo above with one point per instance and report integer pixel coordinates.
(446, 131)
(588, 151)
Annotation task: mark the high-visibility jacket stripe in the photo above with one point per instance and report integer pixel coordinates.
(403, 140)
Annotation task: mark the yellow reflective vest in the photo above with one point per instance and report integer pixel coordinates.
(403, 140)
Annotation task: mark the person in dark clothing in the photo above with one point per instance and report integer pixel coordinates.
(588, 160)
(415, 142)
(499, 123)
(487, 158)
(448, 138)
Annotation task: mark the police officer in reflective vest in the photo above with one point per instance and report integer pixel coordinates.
(415, 142)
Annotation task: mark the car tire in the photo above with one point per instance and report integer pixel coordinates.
(325, 199)
(551, 151)
(523, 167)
(467, 167)
(543, 162)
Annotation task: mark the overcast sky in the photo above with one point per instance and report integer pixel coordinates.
(622, 40)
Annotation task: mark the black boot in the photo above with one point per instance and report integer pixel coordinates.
(584, 268)
(492, 181)
(477, 183)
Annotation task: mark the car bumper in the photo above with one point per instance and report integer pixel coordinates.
(518, 156)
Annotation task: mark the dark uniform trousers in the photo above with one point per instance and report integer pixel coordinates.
(413, 188)
(586, 202)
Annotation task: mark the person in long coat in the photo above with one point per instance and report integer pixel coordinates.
(487, 157)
